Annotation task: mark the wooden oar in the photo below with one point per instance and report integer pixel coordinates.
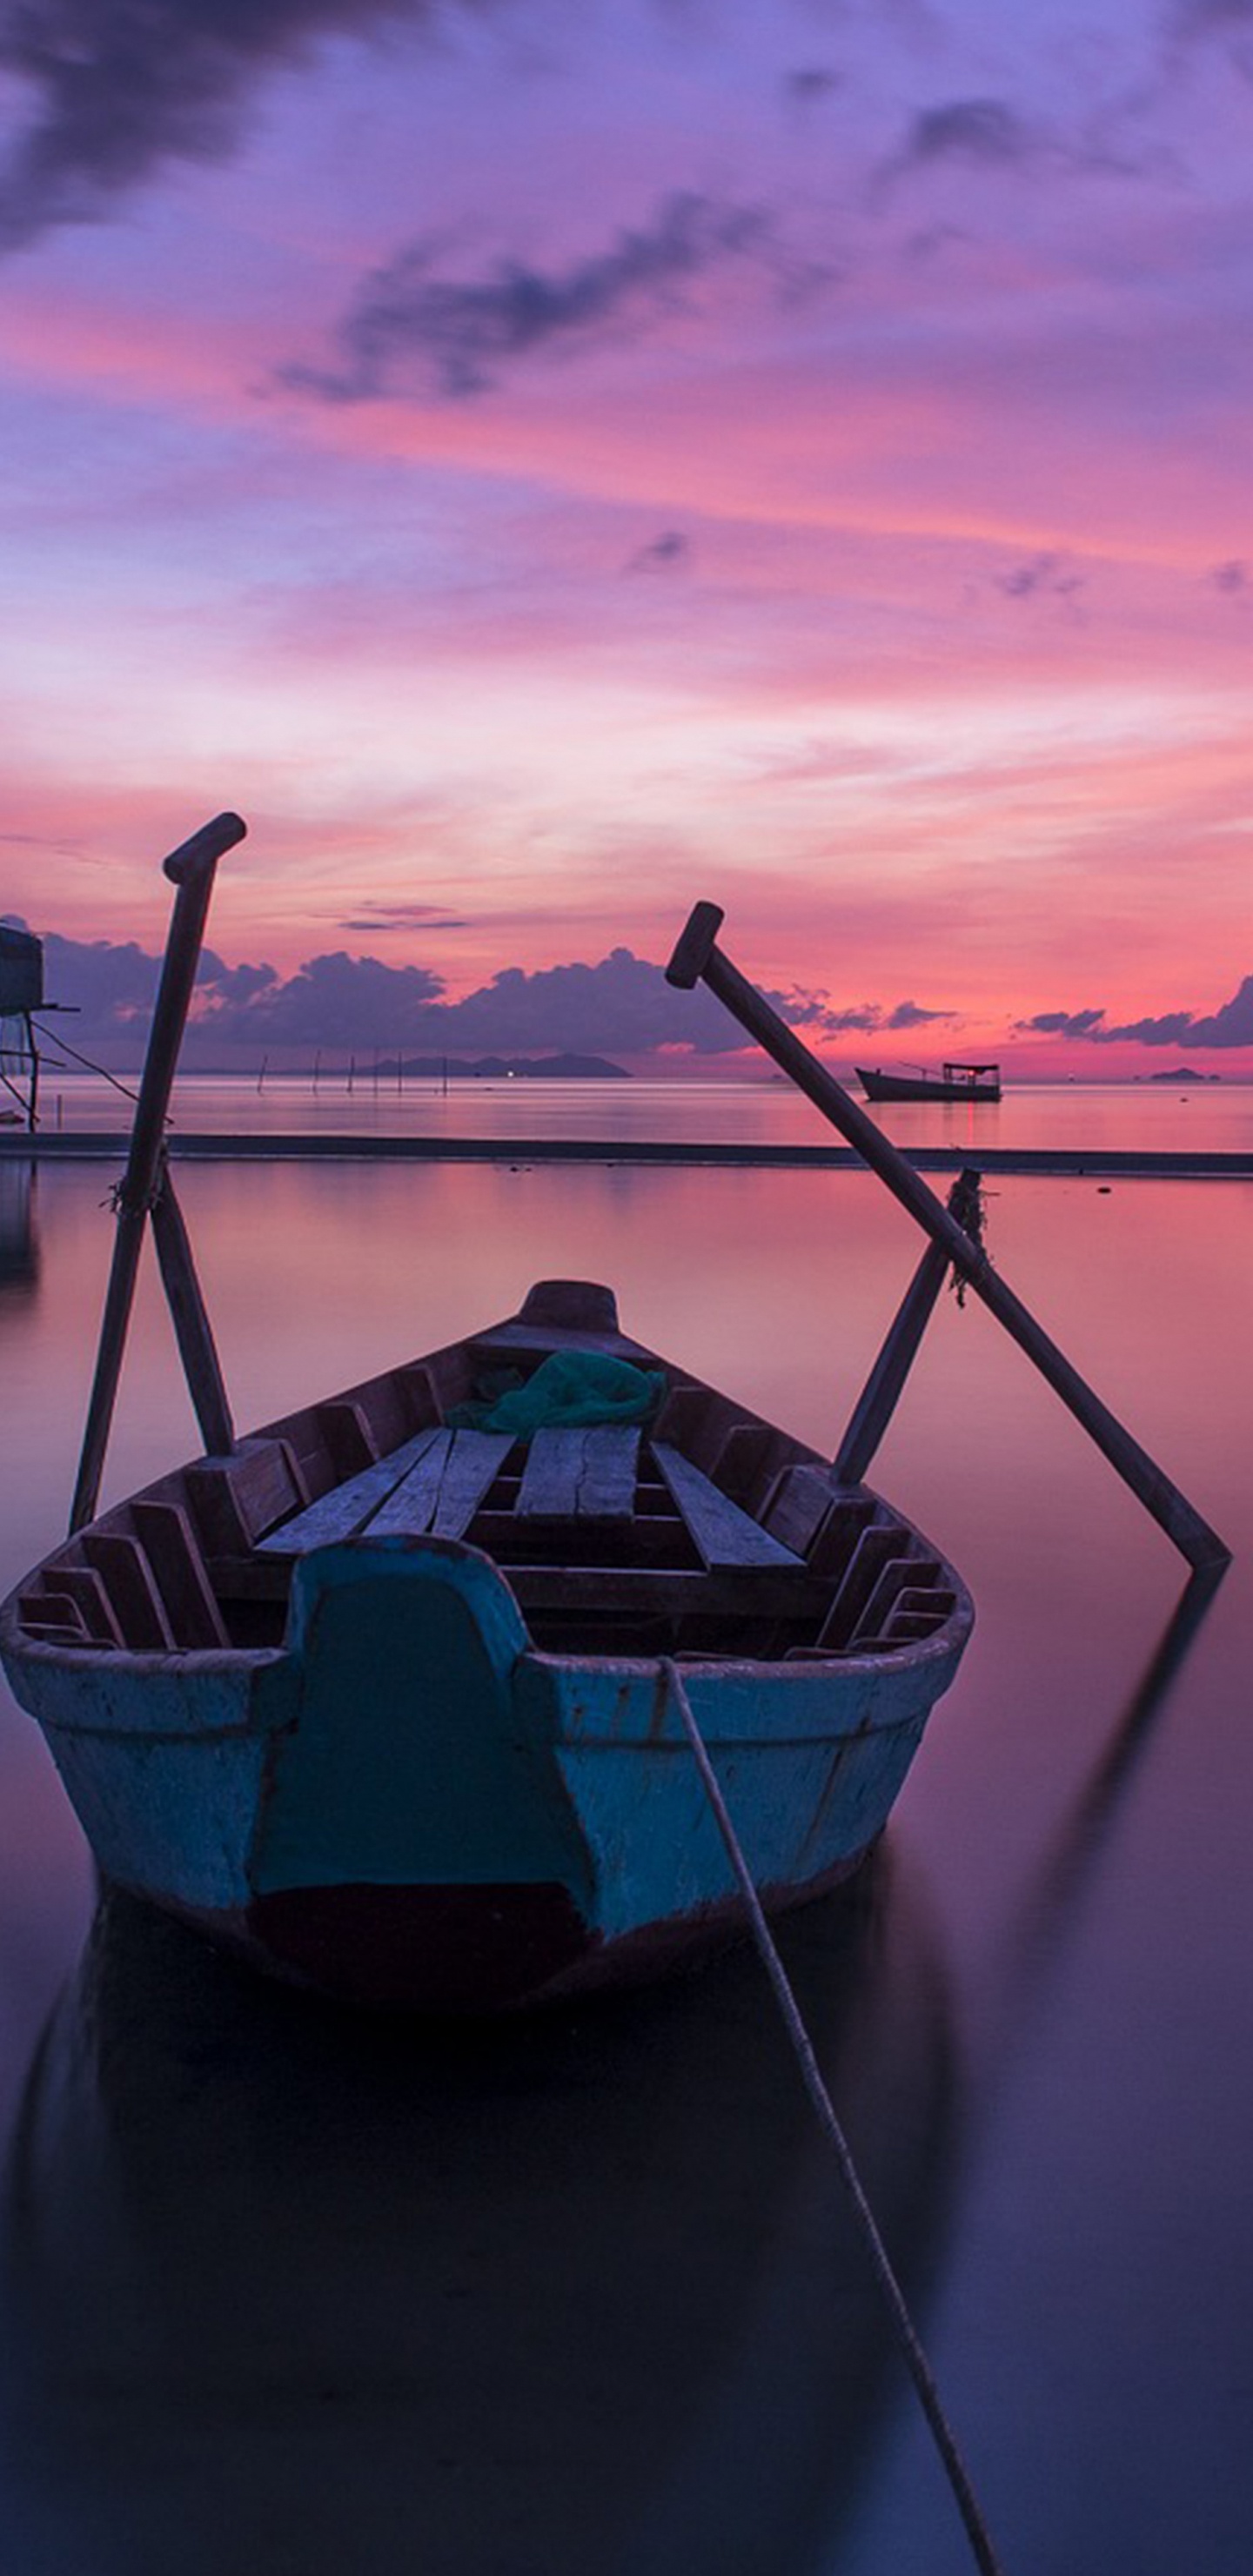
(698, 959)
(878, 1400)
(191, 867)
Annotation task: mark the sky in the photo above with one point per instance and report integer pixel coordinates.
(546, 464)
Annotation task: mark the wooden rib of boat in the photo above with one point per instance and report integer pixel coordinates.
(953, 1082)
(383, 1701)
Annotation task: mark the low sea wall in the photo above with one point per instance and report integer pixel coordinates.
(1090, 1163)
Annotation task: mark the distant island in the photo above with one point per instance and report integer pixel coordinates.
(1184, 1074)
(499, 1068)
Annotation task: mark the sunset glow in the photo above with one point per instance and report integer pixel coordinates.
(543, 466)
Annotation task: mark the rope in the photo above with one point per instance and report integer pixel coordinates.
(915, 2358)
(101, 1069)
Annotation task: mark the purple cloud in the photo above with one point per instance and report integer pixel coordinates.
(1063, 1024)
(458, 333)
(1231, 1025)
(116, 88)
(980, 130)
(671, 547)
(911, 1015)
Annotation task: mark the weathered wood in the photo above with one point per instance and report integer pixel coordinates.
(580, 1474)
(419, 1392)
(696, 945)
(408, 1510)
(739, 1592)
(899, 1575)
(849, 1514)
(190, 1317)
(126, 1575)
(1192, 1535)
(236, 1500)
(348, 1435)
(933, 1598)
(442, 1492)
(178, 1569)
(798, 1504)
(908, 1627)
(694, 1419)
(474, 1462)
(650, 1538)
(343, 1511)
(879, 1397)
(572, 1305)
(875, 1548)
(746, 1461)
(722, 1533)
(94, 1606)
(49, 1613)
(388, 1405)
(191, 867)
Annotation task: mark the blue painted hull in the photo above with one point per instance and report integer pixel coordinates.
(409, 1805)
(366, 1765)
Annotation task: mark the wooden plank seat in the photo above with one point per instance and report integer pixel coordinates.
(437, 1480)
(346, 1508)
(588, 1474)
(723, 1535)
(442, 1493)
(432, 1483)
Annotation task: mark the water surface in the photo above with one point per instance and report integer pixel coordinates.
(280, 2291)
(1212, 1117)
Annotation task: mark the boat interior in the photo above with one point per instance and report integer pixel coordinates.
(705, 1532)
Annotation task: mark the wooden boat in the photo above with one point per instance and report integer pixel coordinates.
(386, 1702)
(954, 1082)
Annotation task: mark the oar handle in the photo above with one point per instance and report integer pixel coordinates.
(197, 857)
(192, 868)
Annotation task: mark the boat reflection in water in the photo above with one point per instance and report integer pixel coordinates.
(19, 1234)
(292, 2290)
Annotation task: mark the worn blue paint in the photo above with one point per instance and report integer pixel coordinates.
(409, 1735)
(410, 1756)
(169, 1817)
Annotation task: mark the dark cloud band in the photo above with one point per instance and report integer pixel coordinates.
(622, 1005)
(115, 88)
(457, 335)
(1229, 1026)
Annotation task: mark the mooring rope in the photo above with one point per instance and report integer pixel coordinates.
(906, 2334)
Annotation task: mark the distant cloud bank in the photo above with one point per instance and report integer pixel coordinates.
(620, 1006)
(1229, 1026)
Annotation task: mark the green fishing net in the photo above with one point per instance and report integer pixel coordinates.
(569, 1390)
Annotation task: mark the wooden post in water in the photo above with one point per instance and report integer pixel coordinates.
(879, 1397)
(193, 1331)
(32, 1049)
(191, 868)
(698, 959)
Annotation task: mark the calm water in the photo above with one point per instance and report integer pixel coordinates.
(280, 2292)
(1168, 1118)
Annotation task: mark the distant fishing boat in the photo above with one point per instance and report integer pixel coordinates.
(953, 1082)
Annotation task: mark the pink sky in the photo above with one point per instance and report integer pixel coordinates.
(545, 465)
